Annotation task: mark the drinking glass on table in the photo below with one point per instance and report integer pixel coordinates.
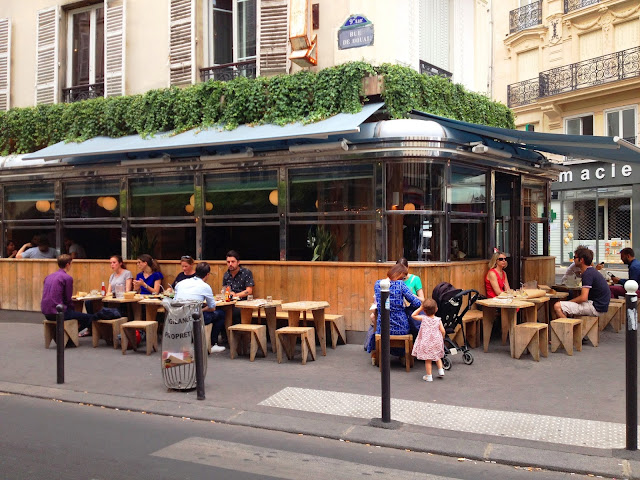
(249, 297)
(119, 290)
(269, 298)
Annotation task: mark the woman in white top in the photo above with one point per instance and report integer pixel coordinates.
(120, 275)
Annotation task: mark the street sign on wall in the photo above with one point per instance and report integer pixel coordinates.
(356, 31)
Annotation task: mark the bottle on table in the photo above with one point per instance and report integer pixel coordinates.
(103, 290)
(227, 294)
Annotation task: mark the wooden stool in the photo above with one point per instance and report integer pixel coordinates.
(257, 336)
(70, 332)
(619, 320)
(128, 335)
(336, 328)
(566, 332)
(286, 340)
(207, 333)
(471, 324)
(397, 341)
(531, 336)
(612, 316)
(590, 329)
(107, 329)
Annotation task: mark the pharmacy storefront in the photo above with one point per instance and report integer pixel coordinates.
(594, 204)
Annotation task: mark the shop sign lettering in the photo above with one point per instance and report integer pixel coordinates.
(599, 173)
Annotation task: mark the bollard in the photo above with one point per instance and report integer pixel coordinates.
(385, 351)
(631, 355)
(197, 346)
(60, 343)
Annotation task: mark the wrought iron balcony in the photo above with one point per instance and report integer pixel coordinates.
(525, 17)
(82, 92)
(571, 5)
(433, 70)
(588, 73)
(229, 71)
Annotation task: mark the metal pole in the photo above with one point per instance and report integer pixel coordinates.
(197, 346)
(60, 343)
(631, 355)
(385, 351)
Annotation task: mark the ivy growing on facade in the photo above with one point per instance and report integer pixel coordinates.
(304, 96)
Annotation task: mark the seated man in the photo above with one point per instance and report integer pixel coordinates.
(239, 280)
(628, 258)
(58, 289)
(195, 288)
(594, 296)
(40, 251)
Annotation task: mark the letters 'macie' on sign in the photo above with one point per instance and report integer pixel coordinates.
(356, 31)
(599, 173)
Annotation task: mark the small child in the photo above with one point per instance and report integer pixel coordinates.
(429, 344)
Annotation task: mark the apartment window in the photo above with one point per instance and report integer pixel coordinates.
(85, 49)
(621, 123)
(579, 125)
(233, 31)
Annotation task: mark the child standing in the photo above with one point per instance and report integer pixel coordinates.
(429, 344)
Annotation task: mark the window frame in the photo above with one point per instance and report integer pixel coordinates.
(619, 110)
(92, 42)
(580, 117)
(235, 58)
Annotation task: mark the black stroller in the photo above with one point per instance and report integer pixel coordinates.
(450, 301)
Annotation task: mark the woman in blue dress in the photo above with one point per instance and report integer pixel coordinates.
(149, 278)
(398, 292)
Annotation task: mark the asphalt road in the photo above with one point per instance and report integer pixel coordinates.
(47, 439)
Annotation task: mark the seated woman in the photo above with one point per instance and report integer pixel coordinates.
(398, 292)
(188, 271)
(415, 285)
(120, 276)
(148, 279)
(496, 280)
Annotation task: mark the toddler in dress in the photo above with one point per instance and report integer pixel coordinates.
(429, 344)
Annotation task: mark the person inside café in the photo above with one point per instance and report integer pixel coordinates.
(628, 257)
(74, 249)
(595, 294)
(41, 250)
(415, 285)
(58, 290)
(239, 280)
(496, 280)
(149, 278)
(398, 293)
(10, 250)
(187, 264)
(196, 288)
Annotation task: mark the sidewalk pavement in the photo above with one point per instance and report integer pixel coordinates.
(562, 413)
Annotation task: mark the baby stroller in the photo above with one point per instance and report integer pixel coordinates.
(450, 300)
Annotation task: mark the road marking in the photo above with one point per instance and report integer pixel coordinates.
(527, 426)
(276, 463)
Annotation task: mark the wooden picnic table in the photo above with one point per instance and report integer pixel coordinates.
(248, 306)
(133, 306)
(508, 315)
(294, 310)
(78, 302)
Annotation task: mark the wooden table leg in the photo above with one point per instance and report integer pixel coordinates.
(246, 315)
(512, 316)
(488, 316)
(270, 313)
(228, 317)
(321, 329)
(151, 312)
(136, 311)
(294, 318)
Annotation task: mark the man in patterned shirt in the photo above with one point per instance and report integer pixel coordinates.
(239, 279)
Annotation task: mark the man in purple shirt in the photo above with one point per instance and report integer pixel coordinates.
(58, 289)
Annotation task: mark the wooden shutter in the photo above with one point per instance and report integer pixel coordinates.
(47, 56)
(626, 35)
(182, 42)
(434, 32)
(591, 45)
(114, 49)
(273, 37)
(5, 62)
(528, 65)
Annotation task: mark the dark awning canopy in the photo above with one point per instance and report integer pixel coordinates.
(608, 149)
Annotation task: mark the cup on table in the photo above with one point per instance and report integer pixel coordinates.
(119, 291)
(269, 298)
(249, 297)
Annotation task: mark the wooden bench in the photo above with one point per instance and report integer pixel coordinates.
(396, 341)
(70, 332)
(128, 335)
(612, 316)
(257, 339)
(590, 329)
(107, 330)
(533, 337)
(567, 333)
(471, 323)
(286, 340)
(337, 325)
(618, 321)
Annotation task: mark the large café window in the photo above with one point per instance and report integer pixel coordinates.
(467, 204)
(162, 222)
(28, 212)
(91, 216)
(331, 214)
(414, 211)
(241, 213)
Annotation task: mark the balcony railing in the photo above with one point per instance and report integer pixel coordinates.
(433, 70)
(588, 73)
(525, 17)
(229, 71)
(82, 92)
(571, 5)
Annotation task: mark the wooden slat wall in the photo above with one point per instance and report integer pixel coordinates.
(348, 287)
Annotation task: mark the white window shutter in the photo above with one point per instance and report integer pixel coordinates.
(114, 49)
(182, 68)
(273, 37)
(5, 62)
(47, 56)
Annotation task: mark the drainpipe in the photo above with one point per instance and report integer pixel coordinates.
(491, 53)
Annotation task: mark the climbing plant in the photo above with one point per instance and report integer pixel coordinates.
(304, 96)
